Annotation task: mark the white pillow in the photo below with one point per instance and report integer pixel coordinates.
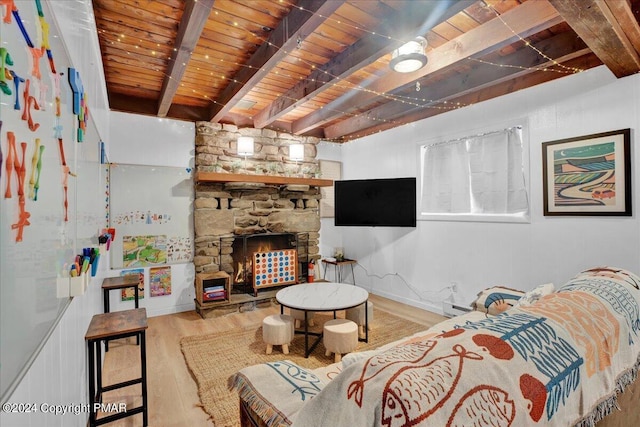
(535, 294)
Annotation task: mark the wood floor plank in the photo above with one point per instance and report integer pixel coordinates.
(172, 392)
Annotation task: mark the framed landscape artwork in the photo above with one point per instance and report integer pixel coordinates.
(588, 175)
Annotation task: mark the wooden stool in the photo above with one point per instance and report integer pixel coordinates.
(121, 282)
(356, 314)
(277, 329)
(340, 336)
(103, 327)
(298, 316)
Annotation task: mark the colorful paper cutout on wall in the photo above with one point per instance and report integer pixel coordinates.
(142, 251)
(128, 294)
(141, 217)
(160, 281)
(179, 249)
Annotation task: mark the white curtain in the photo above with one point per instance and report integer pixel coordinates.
(480, 175)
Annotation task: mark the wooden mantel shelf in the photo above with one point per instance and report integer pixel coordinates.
(265, 179)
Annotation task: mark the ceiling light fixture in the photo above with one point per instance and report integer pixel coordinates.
(410, 56)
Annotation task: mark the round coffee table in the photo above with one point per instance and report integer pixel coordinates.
(322, 296)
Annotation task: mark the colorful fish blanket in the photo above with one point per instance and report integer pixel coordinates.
(557, 362)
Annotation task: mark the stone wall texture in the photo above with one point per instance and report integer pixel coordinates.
(225, 210)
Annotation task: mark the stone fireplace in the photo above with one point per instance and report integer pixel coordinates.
(275, 202)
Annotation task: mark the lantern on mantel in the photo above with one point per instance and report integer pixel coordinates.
(296, 152)
(245, 148)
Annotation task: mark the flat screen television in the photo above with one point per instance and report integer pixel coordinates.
(387, 202)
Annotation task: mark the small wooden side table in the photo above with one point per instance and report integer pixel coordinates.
(337, 268)
(107, 326)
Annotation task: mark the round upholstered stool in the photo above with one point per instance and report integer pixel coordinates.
(298, 316)
(340, 336)
(277, 329)
(356, 314)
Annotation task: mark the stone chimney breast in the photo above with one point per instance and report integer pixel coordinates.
(224, 211)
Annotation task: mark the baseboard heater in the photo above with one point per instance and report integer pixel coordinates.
(452, 309)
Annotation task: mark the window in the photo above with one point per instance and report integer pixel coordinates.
(477, 178)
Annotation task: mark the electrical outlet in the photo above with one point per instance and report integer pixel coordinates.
(452, 309)
(453, 287)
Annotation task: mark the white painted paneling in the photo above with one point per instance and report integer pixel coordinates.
(58, 376)
(412, 266)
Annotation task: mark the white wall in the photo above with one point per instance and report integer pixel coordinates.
(145, 140)
(328, 241)
(416, 263)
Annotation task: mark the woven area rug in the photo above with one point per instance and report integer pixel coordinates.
(213, 358)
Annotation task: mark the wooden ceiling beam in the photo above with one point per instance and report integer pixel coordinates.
(626, 16)
(302, 20)
(512, 85)
(194, 17)
(562, 47)
(605, 30)
(526, 19)
(364, 52)
(244, 121)
(148, 107)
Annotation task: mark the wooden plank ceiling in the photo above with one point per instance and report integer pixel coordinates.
(312, 67)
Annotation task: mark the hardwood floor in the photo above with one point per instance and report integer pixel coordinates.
(172, 392)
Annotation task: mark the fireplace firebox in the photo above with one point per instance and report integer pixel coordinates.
(268, 260)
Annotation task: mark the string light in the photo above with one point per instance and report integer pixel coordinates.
(344, 84)
(338, 83)
(351, 86)
(521, 67)
(528, 44)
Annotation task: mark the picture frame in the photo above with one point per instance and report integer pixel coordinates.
(588, 175)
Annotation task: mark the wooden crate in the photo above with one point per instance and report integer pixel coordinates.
(220, 280)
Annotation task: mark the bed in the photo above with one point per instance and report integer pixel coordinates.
(569, 358)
